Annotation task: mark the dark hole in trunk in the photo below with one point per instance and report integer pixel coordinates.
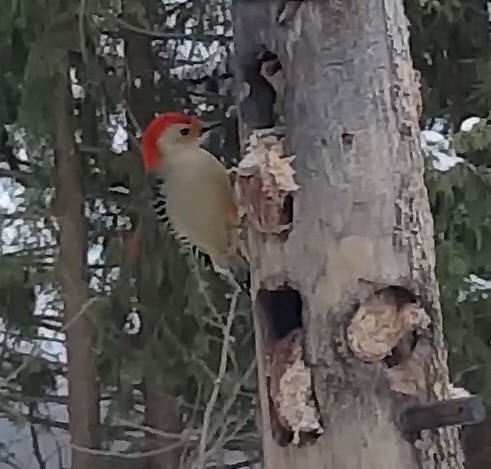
(282, 309)
(287, 214)
(407, 344)
(347, 139)
(402, 350)
(281, 316)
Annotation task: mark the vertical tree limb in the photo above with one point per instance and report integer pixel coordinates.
(362, 212)
(71, 266)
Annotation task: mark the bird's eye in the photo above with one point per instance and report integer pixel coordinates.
(184, 131)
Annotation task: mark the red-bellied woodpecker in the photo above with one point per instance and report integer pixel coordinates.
(193, 192)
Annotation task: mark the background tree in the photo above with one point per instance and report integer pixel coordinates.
(112, 85)
(452, 39)
(182, 318)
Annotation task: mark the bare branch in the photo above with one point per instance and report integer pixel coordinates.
(136, 455)
(169, 35)
(153, 431)
(81, 31)
(240, 464)
(185, 352)
(37, 348)
(192, 422)
(35, 440)
(233, 396)
(10, 412)
(14, 173)
(221, 373)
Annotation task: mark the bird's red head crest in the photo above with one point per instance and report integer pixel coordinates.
(150, 151)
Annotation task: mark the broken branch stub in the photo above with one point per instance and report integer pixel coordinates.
(381, 322)
(468, 410)
(265, 181)
(290, 387)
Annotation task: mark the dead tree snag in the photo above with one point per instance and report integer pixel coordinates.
(359, 223)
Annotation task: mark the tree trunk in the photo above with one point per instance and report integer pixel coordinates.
(361, 220)
(83, 404)
(161, 408)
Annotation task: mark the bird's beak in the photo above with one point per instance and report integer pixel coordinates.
(207, 126)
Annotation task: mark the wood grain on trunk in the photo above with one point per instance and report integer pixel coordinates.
(360, 218)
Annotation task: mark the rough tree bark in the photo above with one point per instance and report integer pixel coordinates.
(361, 218)
(83, 403)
